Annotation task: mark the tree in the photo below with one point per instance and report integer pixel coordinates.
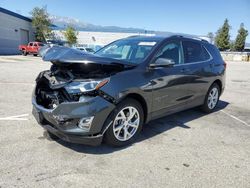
(210, 35)
(232, 46)
(222, 39)
(41, 23)
(71, 35)
(241, 38)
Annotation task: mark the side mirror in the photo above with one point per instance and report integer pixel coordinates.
(162, 62)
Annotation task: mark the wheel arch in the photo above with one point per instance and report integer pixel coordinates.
(219, 83)
(142, 101)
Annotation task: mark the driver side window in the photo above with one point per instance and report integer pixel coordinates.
(171, 51)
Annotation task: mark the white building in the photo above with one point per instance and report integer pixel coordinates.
(97, 38)
(15, 29)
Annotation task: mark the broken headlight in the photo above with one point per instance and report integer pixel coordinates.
(85, 86)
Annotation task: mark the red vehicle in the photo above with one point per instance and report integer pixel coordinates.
(31, 48)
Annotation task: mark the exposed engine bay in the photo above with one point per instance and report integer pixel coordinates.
(50, 89)
(71, 67)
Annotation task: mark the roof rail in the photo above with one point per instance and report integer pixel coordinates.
(191, 37)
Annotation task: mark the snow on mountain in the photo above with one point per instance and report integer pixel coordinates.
(61, 22)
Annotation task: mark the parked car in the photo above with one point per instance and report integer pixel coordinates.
(86, 49)
(31, 48)
(111, 94)
(56, 42)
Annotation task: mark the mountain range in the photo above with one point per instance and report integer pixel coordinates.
(62, 22)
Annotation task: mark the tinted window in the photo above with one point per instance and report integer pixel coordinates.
(170, 51)
(194, 52)
(31, 44)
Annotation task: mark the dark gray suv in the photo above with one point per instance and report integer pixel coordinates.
(110, 95)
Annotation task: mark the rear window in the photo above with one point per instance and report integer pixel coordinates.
(194, 52)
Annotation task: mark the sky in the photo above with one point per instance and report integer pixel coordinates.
(196, 17)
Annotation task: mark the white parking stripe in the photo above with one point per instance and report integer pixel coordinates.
(232, 116)
(16, 83)
(15, 118)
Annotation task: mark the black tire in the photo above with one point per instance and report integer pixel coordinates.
(49, 136)
(34, 54)
(109, 136)
(205, 107)
(24, 53)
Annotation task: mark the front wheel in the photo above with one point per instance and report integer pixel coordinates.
(24, 53)
(126, 123)
(211, 99)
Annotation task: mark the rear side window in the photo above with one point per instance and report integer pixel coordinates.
(194, 52)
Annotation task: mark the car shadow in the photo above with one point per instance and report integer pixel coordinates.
(151, 129)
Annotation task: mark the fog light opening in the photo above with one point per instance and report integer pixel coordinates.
(85, 123)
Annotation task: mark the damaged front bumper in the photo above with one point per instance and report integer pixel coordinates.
(64, 119)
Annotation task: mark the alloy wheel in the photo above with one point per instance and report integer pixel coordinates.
(213, 98)
(126, 123)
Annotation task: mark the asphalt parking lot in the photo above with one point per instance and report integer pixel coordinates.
(187, 149)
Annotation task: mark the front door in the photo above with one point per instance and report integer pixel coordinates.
(169, 84)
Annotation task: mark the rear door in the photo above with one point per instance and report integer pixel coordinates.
(197, 70)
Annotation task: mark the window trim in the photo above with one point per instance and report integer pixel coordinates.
(196, 62)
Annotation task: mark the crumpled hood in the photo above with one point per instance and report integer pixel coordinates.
(64, 55)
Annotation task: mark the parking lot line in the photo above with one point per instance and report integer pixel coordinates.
(16, 83)
(15, 118)
(232, 116)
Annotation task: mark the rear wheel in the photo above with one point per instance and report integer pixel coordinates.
(211, 99)
(34, 54)
(127, 120)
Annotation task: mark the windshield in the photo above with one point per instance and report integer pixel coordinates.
(130, 50)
